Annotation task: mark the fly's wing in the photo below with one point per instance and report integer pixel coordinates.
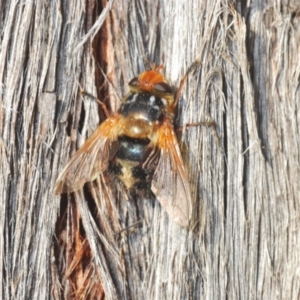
(91, 159)
(169, 183)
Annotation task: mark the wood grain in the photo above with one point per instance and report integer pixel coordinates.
(244, 242)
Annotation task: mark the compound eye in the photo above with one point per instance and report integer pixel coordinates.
(134, 82)
(163, 88)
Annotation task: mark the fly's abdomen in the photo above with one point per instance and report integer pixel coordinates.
(132, 149)
(127, 165)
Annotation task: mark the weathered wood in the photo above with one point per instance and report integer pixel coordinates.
(244, 242)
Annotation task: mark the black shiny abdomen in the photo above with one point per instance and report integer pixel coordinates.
(132, 149)
(128, 164)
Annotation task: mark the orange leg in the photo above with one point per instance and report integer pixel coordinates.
(210, 123)
(106, 112)
(193, 66)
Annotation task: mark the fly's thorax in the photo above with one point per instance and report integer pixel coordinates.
(143, 113)
(145, 105)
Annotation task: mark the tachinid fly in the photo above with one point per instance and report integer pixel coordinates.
(138, 145)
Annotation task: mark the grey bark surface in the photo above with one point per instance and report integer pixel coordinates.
(244, 242)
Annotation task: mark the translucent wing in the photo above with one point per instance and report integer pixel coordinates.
(91, 159)
(169, 183)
